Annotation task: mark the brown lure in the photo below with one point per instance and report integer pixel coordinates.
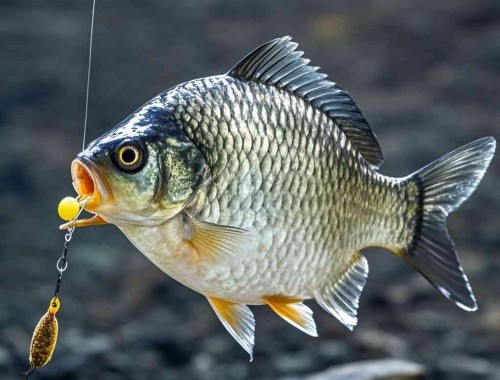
(44, 337)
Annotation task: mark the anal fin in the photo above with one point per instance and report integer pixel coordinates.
(238, 320)
(294, 312)
(341, 297)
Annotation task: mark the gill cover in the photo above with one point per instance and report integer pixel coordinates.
(148, 167)
(181, 165)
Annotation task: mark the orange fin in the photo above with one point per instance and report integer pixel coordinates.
(294, 312)
(238, 320)
(214, 241)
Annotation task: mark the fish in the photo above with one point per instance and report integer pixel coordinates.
(262, 187)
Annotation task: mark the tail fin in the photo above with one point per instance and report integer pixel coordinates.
(443, 186)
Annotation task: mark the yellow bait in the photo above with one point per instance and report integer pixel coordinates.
(68, 208)
(44, 337)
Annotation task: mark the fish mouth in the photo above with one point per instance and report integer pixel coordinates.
(86, 184)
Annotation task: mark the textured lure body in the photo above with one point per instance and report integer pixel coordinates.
(44, 337)
(261, 186)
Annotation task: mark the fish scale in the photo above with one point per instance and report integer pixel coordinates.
(299, 165)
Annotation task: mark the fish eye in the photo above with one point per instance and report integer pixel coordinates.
(130, 157)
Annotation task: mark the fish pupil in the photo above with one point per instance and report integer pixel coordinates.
(129, 156)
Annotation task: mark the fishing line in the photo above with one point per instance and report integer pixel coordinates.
(44, 337)
(88, 74)
(62, 263)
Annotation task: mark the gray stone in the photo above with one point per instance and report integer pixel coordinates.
(383, 369)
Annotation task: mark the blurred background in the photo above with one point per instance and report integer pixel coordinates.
(427, 76)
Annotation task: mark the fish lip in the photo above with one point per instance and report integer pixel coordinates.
(87, 183)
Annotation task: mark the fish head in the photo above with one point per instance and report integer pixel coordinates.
(144, 171)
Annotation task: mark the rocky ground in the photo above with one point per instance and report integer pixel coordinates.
(426, 75)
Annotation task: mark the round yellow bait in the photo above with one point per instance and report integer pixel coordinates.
(68, 208)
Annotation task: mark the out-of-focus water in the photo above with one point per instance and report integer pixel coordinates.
(425, 73)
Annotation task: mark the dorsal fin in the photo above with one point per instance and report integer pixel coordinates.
(277, 63)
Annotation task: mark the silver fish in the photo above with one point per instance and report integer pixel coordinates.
(261, 186)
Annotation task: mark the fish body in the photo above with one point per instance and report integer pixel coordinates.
(281, 169)
(261, 186)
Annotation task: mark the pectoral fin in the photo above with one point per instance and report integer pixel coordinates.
(294, 312)
(238, 320)
(214, 241)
